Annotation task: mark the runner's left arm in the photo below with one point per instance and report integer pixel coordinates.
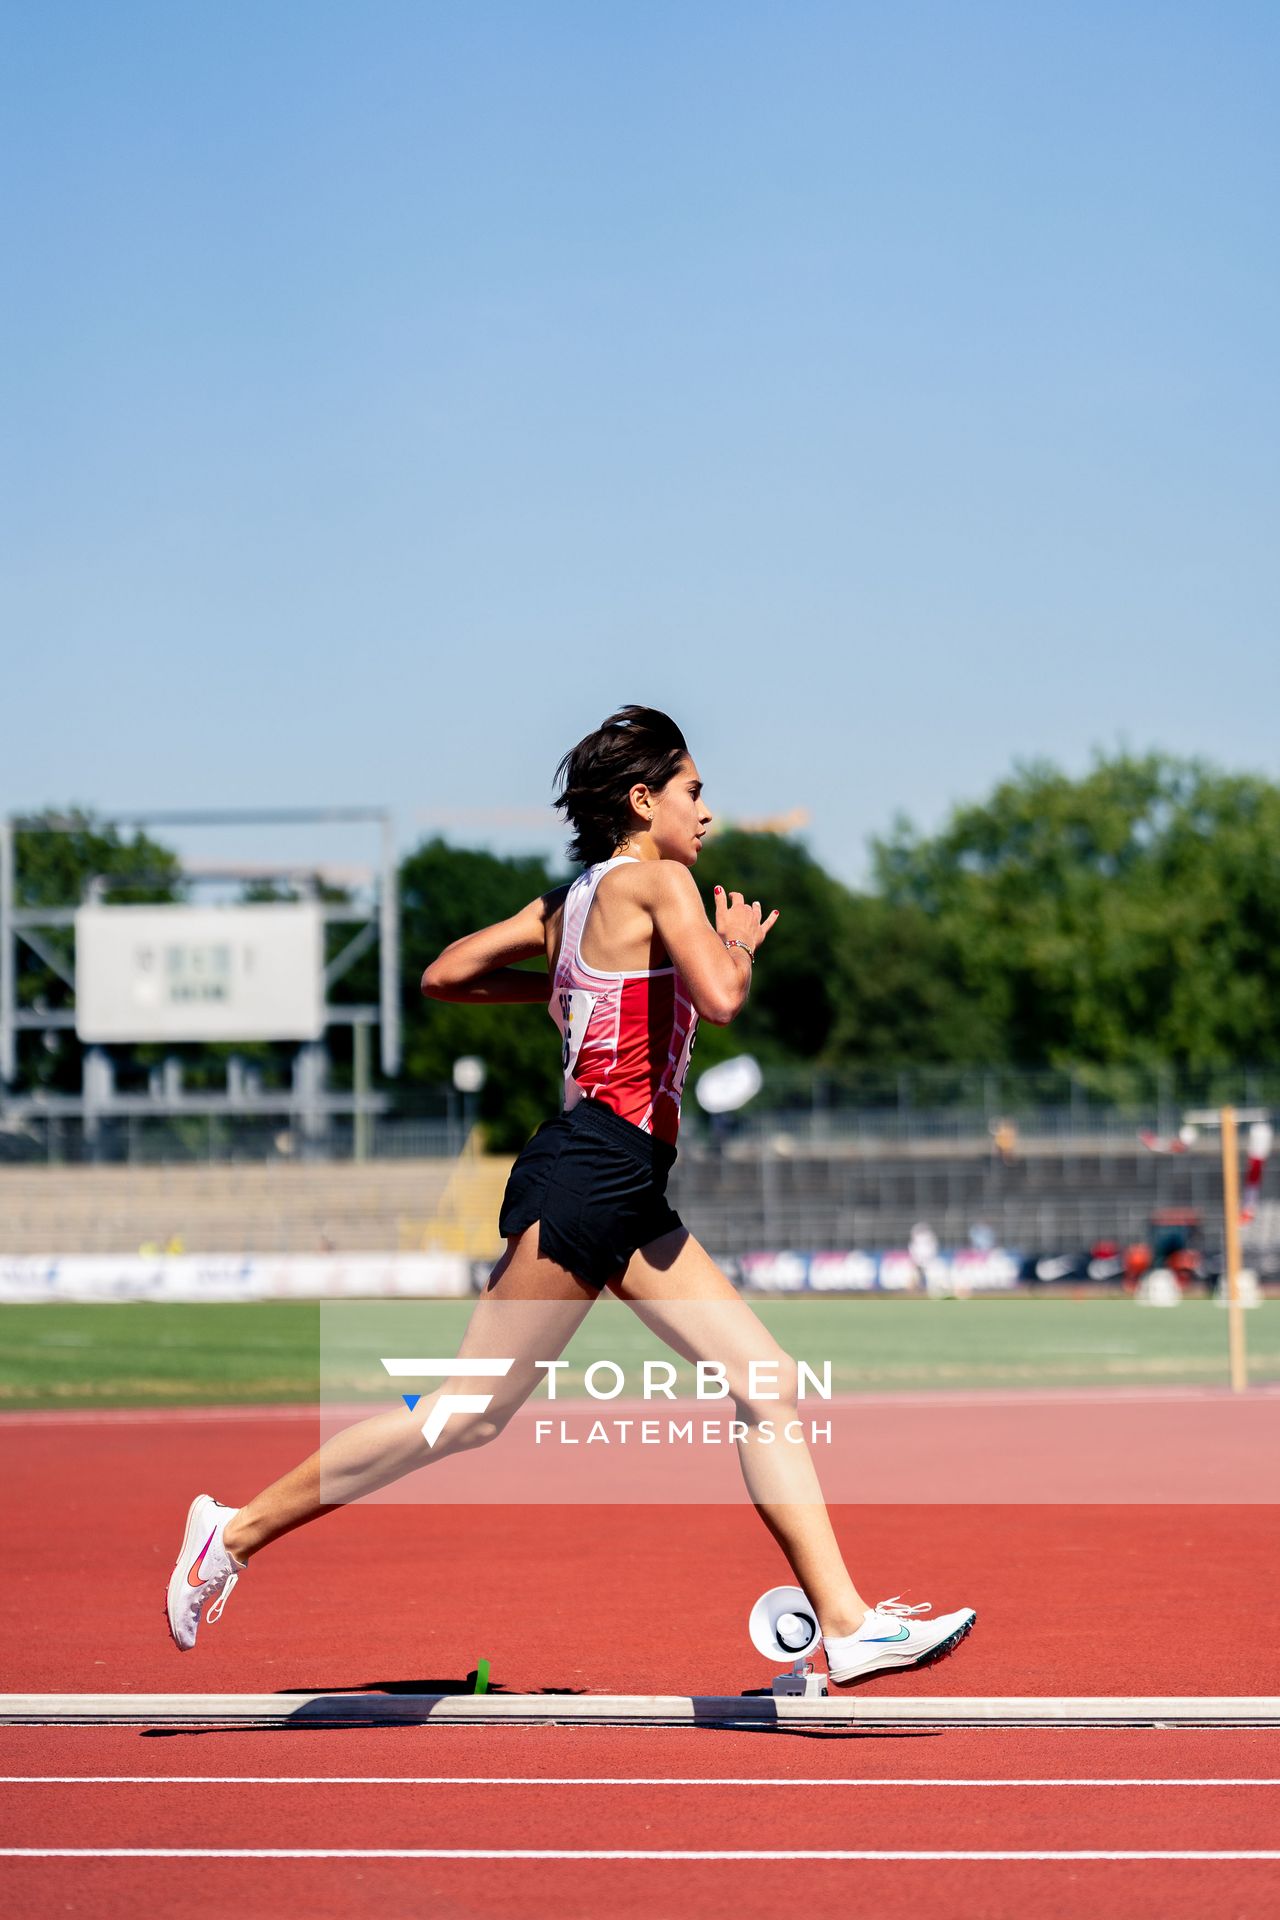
(481, 966)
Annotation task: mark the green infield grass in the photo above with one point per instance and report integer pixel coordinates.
(145, 1354)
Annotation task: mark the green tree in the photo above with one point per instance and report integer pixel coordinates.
(902, 1002)
(795, 990)
(54, 864)
(1125, 918)
(846, 980)
(445, 892)
(1132, 915)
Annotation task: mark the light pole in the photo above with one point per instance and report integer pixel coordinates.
(469, 1076)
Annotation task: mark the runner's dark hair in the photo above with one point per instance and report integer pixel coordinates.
(634, 745)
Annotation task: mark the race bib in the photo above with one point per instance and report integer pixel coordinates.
(682, 1064)
(571, 1009)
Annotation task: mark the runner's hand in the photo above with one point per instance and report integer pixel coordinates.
(735, 920)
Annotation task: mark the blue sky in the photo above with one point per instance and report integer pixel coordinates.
(391, 390)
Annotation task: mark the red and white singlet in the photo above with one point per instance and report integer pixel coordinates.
(627, 1036)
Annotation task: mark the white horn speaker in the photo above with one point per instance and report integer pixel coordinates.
(783, 1625)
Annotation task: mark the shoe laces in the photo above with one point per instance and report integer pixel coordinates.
(215, 1611)
(899, 1607)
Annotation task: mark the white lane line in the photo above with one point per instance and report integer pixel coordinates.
(621, 1853)
(587, 1780)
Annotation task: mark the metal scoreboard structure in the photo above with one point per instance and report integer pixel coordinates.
(192, 972)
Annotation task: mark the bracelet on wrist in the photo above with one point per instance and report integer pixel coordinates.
(745, 948)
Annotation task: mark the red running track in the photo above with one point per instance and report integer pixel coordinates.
(1092, 1599)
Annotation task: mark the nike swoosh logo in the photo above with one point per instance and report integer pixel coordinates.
(194, 1577)
(883, 1639)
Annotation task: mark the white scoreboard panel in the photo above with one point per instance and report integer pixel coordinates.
(200, 973)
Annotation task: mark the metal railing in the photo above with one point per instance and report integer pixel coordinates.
(954, 1103)
(870, 1109)
(212, 1139)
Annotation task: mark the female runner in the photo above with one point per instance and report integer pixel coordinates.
(632, 964)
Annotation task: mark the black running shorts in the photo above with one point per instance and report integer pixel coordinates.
(598, 1187)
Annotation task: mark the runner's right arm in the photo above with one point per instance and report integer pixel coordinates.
(481, 966)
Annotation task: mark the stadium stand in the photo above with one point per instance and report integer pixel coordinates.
(380, 1206)
(775, 1191)
(763, 1191)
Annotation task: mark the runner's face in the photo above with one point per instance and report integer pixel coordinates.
(680, 815)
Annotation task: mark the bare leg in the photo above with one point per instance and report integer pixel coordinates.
(678, 1291)
(377, 1451)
